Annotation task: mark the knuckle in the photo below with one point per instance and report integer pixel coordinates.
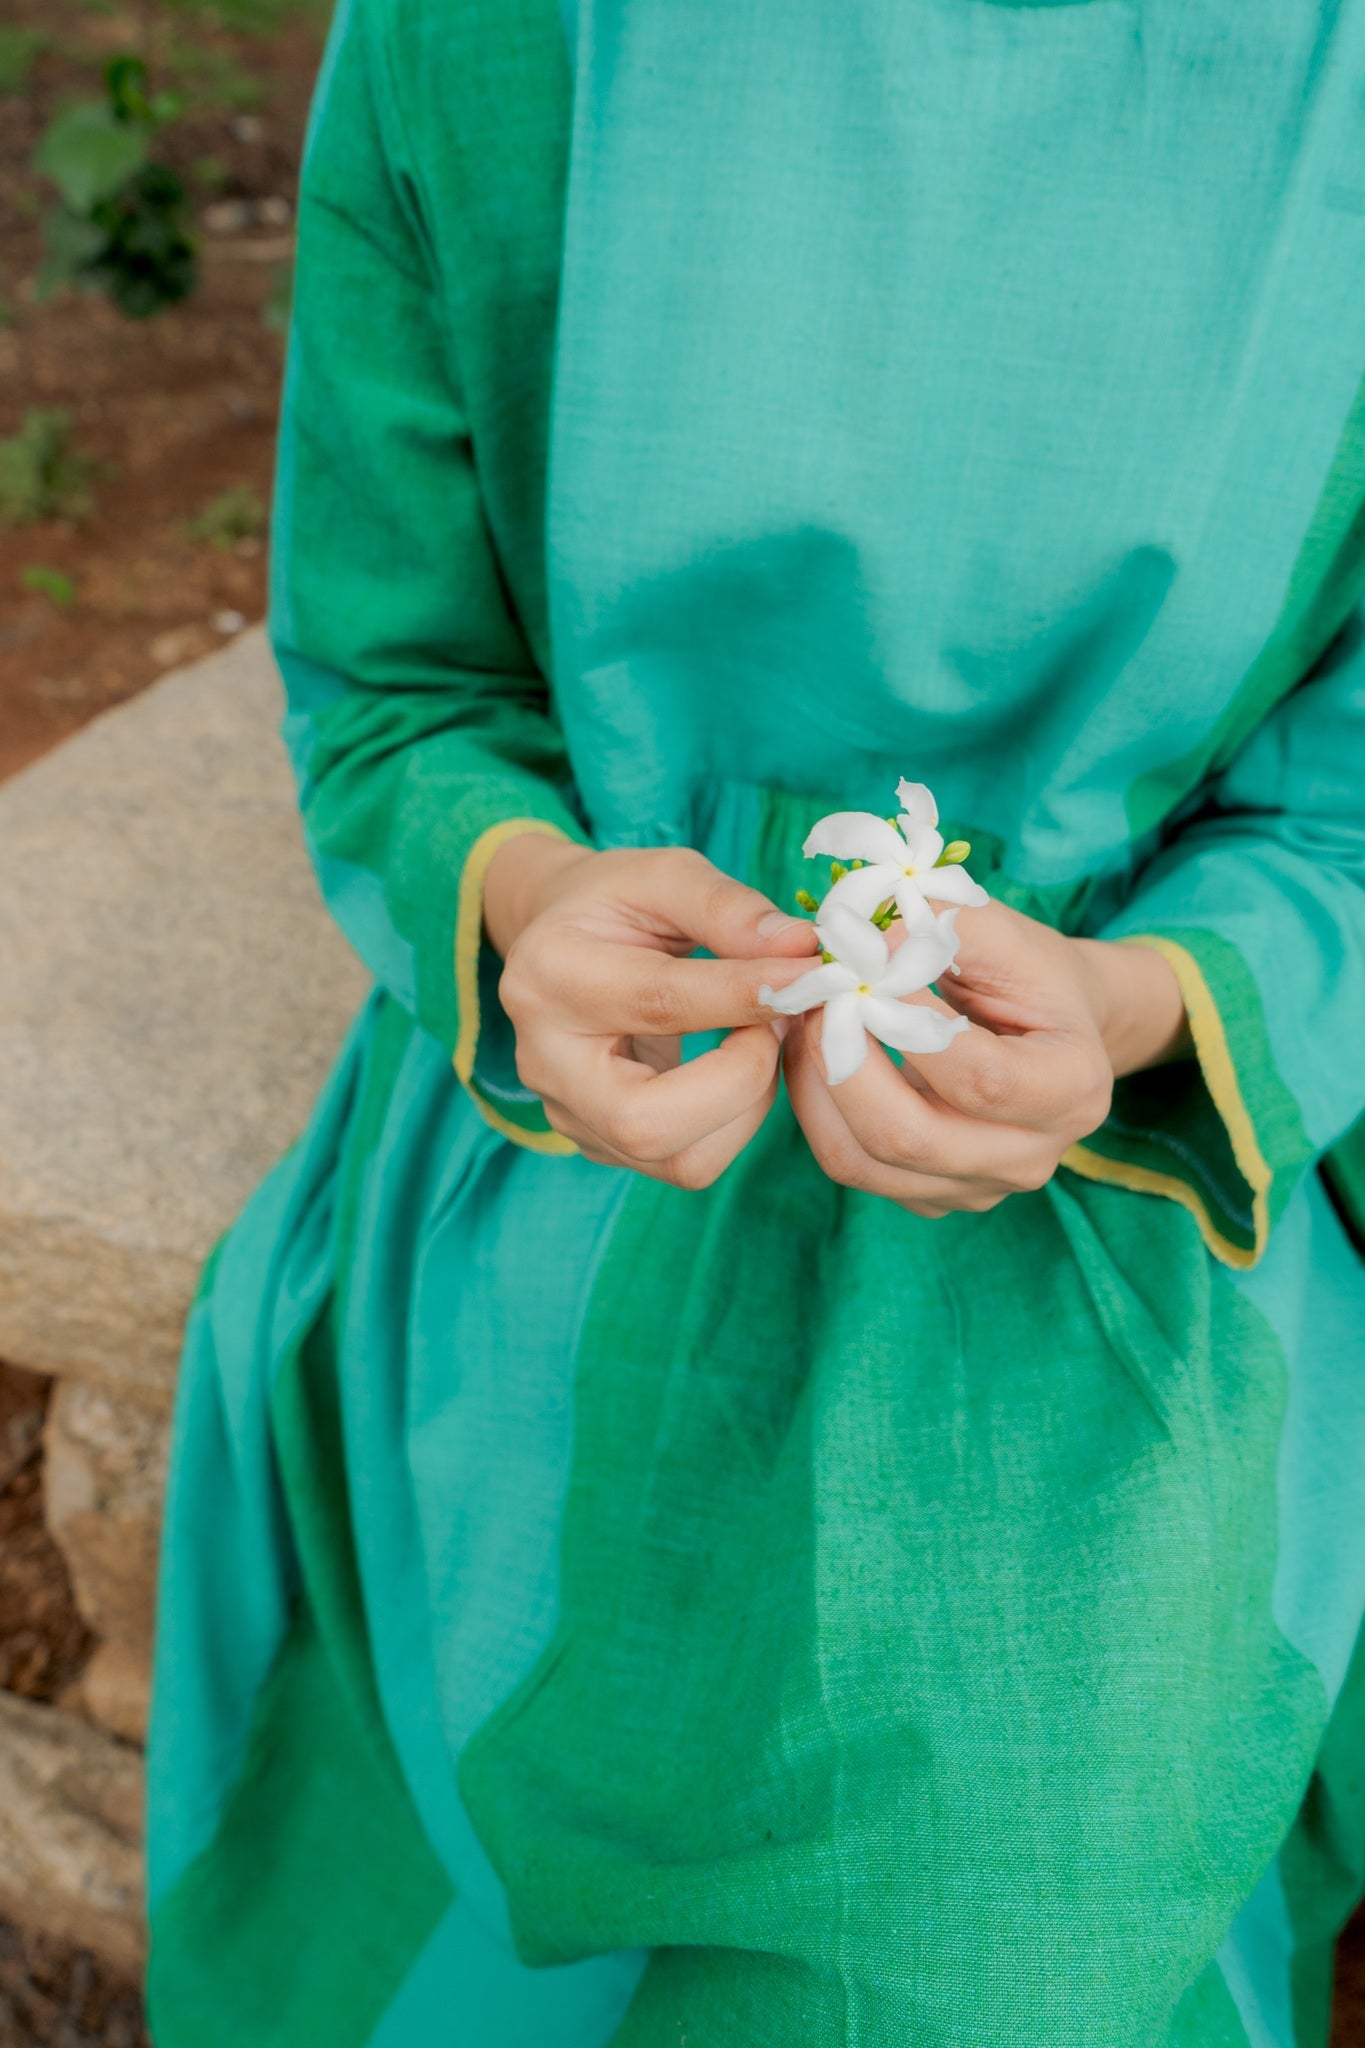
(633, 1129)
(689, 1174)
(657, 1008)
(516, 987)
(721, 893)
(987, 1088)
(1029, 1178)
(841, 1163)
(682, 865)
(531, 1069)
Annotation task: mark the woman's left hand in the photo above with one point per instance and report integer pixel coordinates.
(1055, 1020)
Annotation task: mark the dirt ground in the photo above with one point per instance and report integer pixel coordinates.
(172, 411)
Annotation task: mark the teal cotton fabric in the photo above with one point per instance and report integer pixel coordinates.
(594, 1613)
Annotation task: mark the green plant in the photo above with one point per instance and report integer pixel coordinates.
(237, 513)
(41, 476)
(254, 17)
(119, 226)
(49, 583)
(278, 310)
(18, 48)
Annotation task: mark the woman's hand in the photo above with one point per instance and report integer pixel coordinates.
(1059, 1020)
(600, 991)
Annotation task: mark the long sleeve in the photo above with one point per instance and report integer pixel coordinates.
(1258, 902)
(420, 728)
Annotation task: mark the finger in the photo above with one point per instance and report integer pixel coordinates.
(901, 1126)
(648, 1116)
(841, 1156)
(598, 988)
(898, 1126)
(685, 892)
(1041, 1080)
(695, 1166)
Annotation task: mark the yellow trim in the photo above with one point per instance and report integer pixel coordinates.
(1220, 1078)
(532, 1141)
(1143, 1180)
(468, 938)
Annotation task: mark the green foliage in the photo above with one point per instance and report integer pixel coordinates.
(119, 226)
(278, 310)
(18, 48)
(255, 17)
(90, 153)
(41, 477)
(235, 514)
(49, 583)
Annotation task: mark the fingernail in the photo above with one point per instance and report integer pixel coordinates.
(779, 1026)
(775, 924)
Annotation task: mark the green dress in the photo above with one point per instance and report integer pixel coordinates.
(599, 1613)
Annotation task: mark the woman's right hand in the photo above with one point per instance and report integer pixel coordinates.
(600, 992)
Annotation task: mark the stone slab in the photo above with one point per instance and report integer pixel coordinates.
(103, 1483)
(171, 995)
(70, 1832)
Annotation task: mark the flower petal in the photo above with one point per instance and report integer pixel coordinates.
(862, 890)
(821, 985)
(915, 913)
(919, 959)
(910, 1027)
(924, 843)
(953, 885)
(843, 1042)
(916, 799)
(856, 835)
(854, 942)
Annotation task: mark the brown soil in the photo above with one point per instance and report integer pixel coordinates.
(43, 1641)
(56, 1997)
(173, 410)
(1348, 2020)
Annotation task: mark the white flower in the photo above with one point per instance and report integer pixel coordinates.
(859, 987)
(900, 861)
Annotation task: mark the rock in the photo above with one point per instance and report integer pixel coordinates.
(227, 216)
(103, 1483)
(173, 994)
(179, 644)
(115, 1690)
(23, 1403)
(70, 1829)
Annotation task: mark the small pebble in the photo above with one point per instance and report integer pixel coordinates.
(246, 128)
(274, 213)
(227, 216)
(228, 623)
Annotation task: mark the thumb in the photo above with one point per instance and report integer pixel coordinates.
(730, 919)
(1010, 973)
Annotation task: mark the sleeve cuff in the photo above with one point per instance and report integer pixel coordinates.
(1220, 1134)
(485, 1050)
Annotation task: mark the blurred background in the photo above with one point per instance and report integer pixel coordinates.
(149, 154)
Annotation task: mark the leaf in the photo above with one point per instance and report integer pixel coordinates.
(90, 155)
(50, 583)
(71, 244)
